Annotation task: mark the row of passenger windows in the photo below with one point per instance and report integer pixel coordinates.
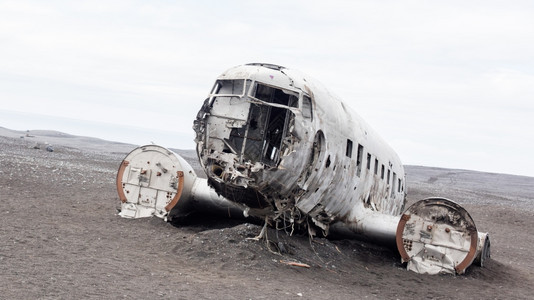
(359, 155)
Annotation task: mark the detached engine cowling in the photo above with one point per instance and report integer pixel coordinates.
(154, 181)
(437, 235)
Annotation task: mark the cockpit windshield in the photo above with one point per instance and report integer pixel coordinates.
(234, 87)
(274, 95)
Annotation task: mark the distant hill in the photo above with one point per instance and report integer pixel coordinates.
(61, 139)
(56, 138)
(422, 182)
(470, 186)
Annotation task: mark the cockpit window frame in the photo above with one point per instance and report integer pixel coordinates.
(252, 95)
(216, 88)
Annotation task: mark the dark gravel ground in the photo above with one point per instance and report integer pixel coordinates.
(61, 238)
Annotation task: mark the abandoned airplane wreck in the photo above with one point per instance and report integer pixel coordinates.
(277, 145)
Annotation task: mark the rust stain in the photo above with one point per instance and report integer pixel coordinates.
(398, 238)
(460, 268)
(120, 190)
(180, 176)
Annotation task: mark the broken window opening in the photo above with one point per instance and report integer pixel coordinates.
(261, 139)
(368, 161)
(277, 96)
(228, 147)
(274, 134)
(307, 107)
(389, 176)
(382, 173)
(316, 155)
(376, 166)
(293, 101)
(359, 160)
(348, 151)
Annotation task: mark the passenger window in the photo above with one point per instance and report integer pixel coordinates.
(307, 107)
(359, 160)
(400, 183)
(376, 166)
(382, 173)
(389, 176)
(368, 161)
(348, 151)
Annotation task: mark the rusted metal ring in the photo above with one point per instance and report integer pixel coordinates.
(120, 173)
(468, 260)
(400, 241)
(471, 230)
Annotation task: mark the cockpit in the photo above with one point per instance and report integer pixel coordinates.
(258, 117)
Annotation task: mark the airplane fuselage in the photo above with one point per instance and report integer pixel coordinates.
(280, 144)
(277, 145)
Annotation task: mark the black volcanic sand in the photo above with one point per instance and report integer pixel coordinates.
(61, 238)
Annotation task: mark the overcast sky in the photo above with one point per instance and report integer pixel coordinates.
(446, 83)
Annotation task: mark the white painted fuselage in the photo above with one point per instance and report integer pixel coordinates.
(278, 143)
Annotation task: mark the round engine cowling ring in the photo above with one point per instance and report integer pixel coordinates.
(151, 180)
(436, 235)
